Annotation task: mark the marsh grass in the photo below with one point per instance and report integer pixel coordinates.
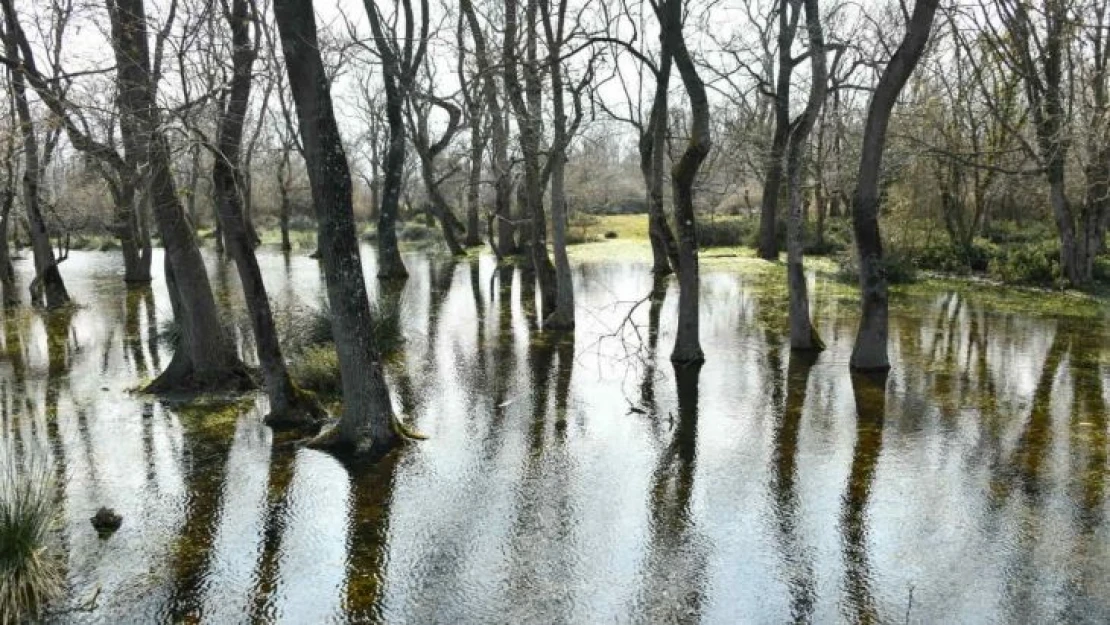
(30, 571)
(307, 337)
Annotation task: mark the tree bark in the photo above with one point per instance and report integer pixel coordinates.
(653, 158)
(367, 420)
(205, 358)
(870, 350)
(7, 200)
(283, 181)
(7, 272)
(562, 318)
(428, 153)
(478, 140)
(687, 346)
(803, 336)
(390, 265)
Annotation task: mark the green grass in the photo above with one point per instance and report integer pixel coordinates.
(30, 572)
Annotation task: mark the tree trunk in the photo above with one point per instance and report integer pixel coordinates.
(499, 138)
(194, 181)
(474, 179)
(562, 317)
(788, 11)
(870, 350)
(687, 346)
(283, 182)
(768, 206)
(367, 419)
(653, 158)
(803, 336)
(7, 272)
(390, 265)
(289, 407)
(47, 286)
(528, 107)
(7, 200)
(437, 204)
(205, 358)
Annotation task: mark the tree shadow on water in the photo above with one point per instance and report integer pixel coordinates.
(859, 604)
(797, 559)
(676, 559)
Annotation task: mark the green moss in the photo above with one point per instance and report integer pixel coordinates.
(212, 416)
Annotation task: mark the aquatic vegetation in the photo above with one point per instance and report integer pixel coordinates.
(30, 572)
(317, 369)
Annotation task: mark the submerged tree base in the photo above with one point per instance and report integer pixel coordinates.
(185, 380)
(810, 343)
(559, 321)
(303, 411)
(330, 440)
(688, 356)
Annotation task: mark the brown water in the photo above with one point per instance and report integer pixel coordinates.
(970, 486)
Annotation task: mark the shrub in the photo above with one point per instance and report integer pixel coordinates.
(30, 572)
(898, 266)
(1029, 264)
(416, 232)
(945, 258)
(1002, 232)
(727, 232)
(579, 227)
(301, 222)
(576, 236)
(169, 332)
(838, 237)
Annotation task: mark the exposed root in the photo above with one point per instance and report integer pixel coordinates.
(407, 432)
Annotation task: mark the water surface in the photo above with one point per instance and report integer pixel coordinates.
(588, 481)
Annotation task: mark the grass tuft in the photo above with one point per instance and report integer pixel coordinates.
(30, 571)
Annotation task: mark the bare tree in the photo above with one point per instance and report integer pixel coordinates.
(1039, 42)
(563, 130)
(204, 359)
(7, 199)
(803, 336)
(788, 13)
(687, 346)
(419, 109)
(367, 420)
(526, 97)
(479, 139)
(401, 57)
(870, 350)
(499, 135)
(48, 287)
(288, 405)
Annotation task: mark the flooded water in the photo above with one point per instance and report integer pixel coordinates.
(588, 481)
